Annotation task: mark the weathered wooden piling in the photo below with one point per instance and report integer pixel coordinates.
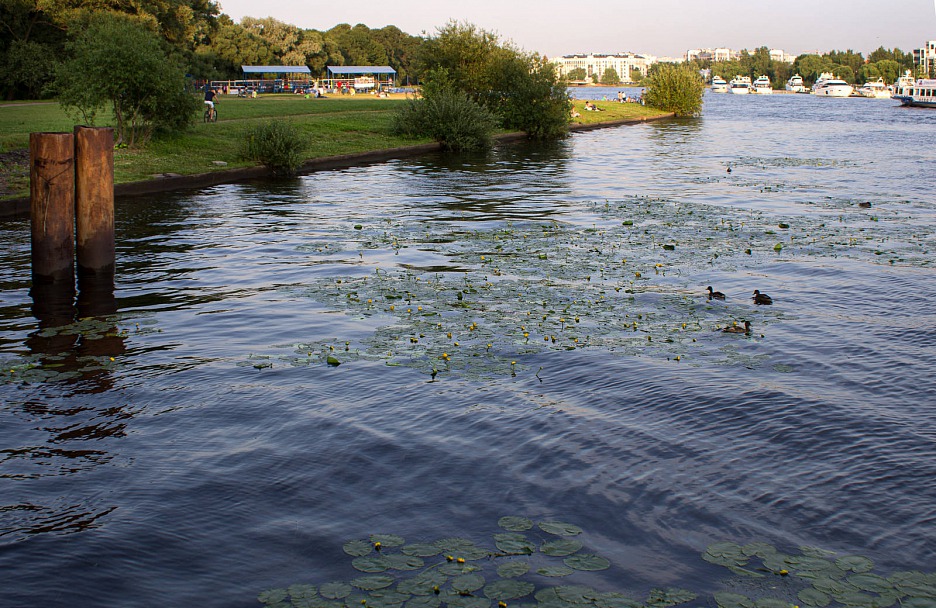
(52, 205)
(94, 199)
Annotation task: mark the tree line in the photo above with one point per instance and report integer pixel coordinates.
(193, 33)
(849, 65)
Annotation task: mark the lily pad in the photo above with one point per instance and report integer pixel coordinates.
(371, 583)
(918, 602)
(454, 545)
(335, 591)
(508, 589)
(814, 597)
(554, 571)
(403, 562)
(669, 596)
(559, 528)
(871, 582)
(515, 524)
(388, 540)
(855, 563)
(513, 569)
(855, 599)
(586, 561)
(421, 550)
(561, 547)
(769, 602)
(466, 583)
(725, 599)
(272, 596)
(358, 548)
(423, 583)
(468, 602)
(514, 544)
(375, 563)
(616, 600)
(386, 599)
(424, 601)
(758, 549)
(576, 594)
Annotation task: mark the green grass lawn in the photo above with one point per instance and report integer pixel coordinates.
(334, 125)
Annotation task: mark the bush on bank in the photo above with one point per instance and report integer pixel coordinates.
(275, 144)
(675, 88)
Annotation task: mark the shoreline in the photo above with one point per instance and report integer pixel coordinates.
(21, 206)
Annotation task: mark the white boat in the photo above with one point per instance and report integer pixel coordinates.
(719, 85)
(830, 86)
(762, 86)
(921, 94)
(875, 89)
(904, 85)
(796, 84)
(740, 85)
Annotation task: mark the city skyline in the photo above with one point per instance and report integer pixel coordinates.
(669, 28)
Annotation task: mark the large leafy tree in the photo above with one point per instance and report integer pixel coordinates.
(121, 65)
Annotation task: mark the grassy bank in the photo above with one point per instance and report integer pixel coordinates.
(334, 125)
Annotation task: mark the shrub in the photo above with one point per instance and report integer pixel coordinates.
(449, 117)
(276, 144)
(675, 88)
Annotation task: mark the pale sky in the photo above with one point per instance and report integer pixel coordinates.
(657, 27)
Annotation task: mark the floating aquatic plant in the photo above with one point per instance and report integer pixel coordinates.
(498, 576)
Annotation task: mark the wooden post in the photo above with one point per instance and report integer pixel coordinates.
(94, 199)
(52, 205)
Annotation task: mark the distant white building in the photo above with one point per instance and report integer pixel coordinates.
(630, 67)
(925, 57)
(726, 54)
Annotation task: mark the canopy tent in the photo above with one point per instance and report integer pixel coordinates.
(360, 70)
(275, 69)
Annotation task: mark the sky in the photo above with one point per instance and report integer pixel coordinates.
(657, 27)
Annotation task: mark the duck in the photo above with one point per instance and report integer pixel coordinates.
(715, 294)
(737, 329)
(762, 298)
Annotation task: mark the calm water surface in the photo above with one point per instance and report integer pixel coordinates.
(198, 469)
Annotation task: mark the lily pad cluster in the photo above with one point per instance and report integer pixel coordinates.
(820, 578)
(455, 572)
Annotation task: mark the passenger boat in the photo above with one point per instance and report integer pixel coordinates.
(875, 89)
(719, 85)
(903, 85)
(830, 86)
(762, 86)
(796, 84)
(921, 94)
(740, 85)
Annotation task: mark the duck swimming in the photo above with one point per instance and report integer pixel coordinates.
(737, 329)
(715, 294)
(762, 298)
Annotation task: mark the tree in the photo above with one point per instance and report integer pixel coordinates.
(675, 88)
(28, 69)
(610, 76)
(576, 74)
(524, 90)
(119, 64)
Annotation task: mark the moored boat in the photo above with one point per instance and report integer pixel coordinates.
(719, 85)
(830, 86)
(921, 94)
(796, 84)
(875, 89)
(740, 85)
(762, 86)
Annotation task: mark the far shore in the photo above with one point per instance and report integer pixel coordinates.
(166, 181)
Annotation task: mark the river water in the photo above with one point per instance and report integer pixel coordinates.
(520, 333)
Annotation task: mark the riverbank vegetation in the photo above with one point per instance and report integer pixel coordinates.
(473, 82)
(330, 126)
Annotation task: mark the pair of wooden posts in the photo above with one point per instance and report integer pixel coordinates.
(72, 203)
